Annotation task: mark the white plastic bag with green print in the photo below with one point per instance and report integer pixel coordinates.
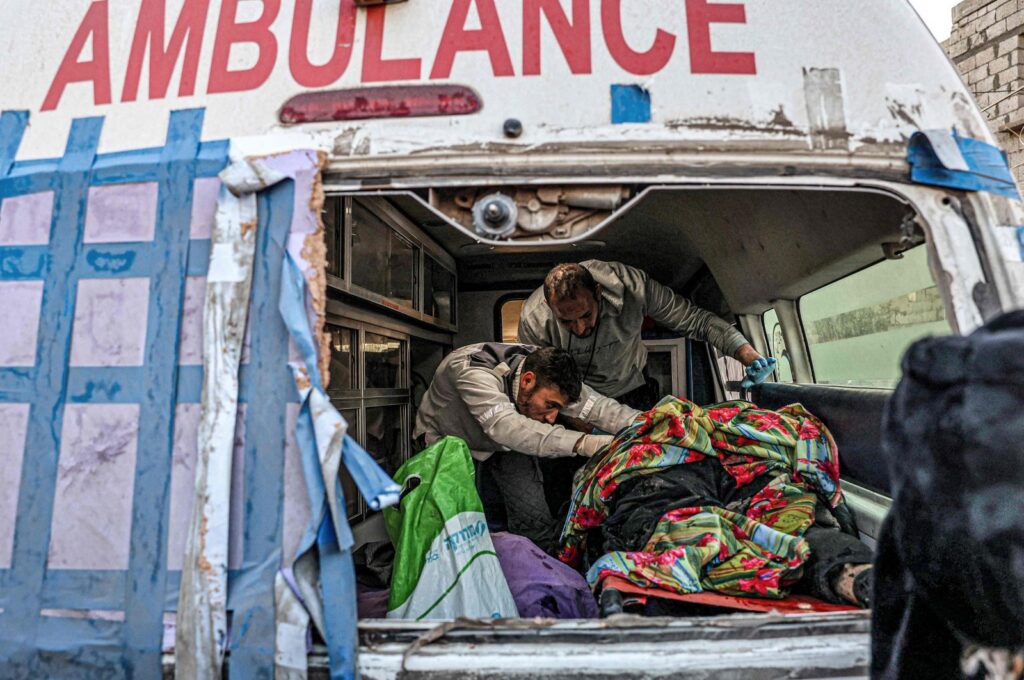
(445, 564)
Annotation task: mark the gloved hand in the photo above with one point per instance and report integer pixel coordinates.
(758, 371)
(590, 444)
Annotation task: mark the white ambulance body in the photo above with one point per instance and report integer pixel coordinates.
(814, 170)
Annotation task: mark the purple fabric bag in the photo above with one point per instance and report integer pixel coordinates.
(541, 585)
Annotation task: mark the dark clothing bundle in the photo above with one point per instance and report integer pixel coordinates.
(950, 564)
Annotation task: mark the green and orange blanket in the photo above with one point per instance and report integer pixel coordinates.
(757, 549)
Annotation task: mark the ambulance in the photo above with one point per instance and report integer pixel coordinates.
(237, 237)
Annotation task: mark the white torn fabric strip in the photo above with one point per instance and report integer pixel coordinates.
(256, 165)
(201, 630)
(224, 266)
(290, 660)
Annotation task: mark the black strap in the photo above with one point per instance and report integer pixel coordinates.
(510, 377)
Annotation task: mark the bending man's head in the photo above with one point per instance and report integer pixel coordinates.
(550, 381)
(574, 298)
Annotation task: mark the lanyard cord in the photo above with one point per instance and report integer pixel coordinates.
(593, 345)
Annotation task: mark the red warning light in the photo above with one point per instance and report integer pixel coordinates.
(392, 101)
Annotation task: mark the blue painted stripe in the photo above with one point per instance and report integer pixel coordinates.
(37, 167)
(20, 621)
(12, 129)
(146, 171)
(209, 162)
(215, 151)
(150, 156)
(117, 260)
(198, 257)
(150, 507)
(105, 589)
(210, 156)
(17, 385)
(84, 589)
(253, 628)
(19, 185)
(23, 263)
(116, 385)
(120, 385)
(127, 174)
(73, 649)
(190, 384)
(1020, 241)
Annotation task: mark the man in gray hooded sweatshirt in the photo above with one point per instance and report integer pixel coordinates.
(595, 311)
(504, 399)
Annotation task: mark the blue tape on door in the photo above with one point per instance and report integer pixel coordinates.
(630, 104)
(941, 158)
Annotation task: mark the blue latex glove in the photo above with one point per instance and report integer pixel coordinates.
(758, 372)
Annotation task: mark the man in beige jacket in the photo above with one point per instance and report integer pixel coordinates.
(595, 311)
(504, 399)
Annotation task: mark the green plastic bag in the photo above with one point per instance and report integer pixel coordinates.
(445, 564)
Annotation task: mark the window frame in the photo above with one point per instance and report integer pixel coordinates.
(676, 348)
(770, 347)
(362, 398)
(500, 303)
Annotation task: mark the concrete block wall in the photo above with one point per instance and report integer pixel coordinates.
(987, 46)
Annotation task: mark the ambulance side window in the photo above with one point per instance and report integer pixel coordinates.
(858, 328)
(508, 309)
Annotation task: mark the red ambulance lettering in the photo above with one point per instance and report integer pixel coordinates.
(568, 22)
(375, 67)
(303, 71)
(489, 37)
(95, 70)
(149, 30)
(573, 38)
(699, 16)
(638, 63)
(230, 32)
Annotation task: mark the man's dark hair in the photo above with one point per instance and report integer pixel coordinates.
(565, 281)
(556, 368)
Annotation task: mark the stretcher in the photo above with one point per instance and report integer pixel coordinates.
(617, 593)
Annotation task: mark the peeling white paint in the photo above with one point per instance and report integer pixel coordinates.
(953, 256)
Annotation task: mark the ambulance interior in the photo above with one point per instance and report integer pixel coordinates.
(832, 282)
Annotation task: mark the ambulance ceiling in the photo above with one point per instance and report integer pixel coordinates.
(762, 245)
(759, 244)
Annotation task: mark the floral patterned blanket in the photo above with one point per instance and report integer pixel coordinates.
(756, 549)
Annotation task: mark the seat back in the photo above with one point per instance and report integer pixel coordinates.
(854, 416)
